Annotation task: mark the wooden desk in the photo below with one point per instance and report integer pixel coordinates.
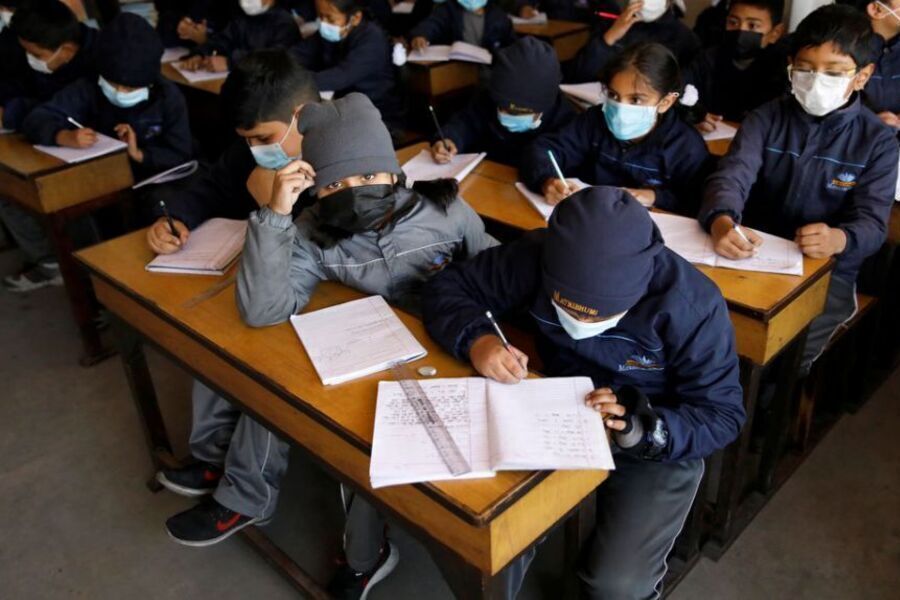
(213, 86)
(480, 525)
(57, 192)
(433, 79)
(566, 37)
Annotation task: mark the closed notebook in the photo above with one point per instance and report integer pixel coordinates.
(422, 167)
(457, 51)
(534, 424)
(105, 145)
(355, 339)
(209, 250)
(198, 76)
(537, 201)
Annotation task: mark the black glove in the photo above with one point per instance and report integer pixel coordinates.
(645, 434)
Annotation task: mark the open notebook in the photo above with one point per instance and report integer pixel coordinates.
(198, 76)
(422, 167)
(537, 201)
(355, 339)
(210, 249)
(104, 145)
(535, 424)
(457, 51)
(687, 238)
(723, 131)
(587, 94)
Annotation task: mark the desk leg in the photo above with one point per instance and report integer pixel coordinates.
(79, 292)
(467, 581)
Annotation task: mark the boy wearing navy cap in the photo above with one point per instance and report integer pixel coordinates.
(609, 301)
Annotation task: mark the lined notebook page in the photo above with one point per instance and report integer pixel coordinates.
(209, 250)
(104, 145)
(355, 339)
(422, 167)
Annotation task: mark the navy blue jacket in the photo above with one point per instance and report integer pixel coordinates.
(883, 90)
(22, 88)
(445, 26)
(730, 92)
(786, 169)
(359, 63)
(274, 28)
(676, 344)
(668, 30)
(476, 128)
(672, 160)
(161, 123)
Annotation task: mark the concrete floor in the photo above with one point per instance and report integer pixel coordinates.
(77, 522)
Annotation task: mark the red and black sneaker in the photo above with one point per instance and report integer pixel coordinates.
(193, 480)
(206, 524)
(348, 584)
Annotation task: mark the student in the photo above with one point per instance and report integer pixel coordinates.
(262, 97)
(350, 53)
(709, 27)
(363, 208)
(882, 93)
(522, 102)
(563, 10)
(610, 302)
(477, 22)
(263, 24)
(641, 21)
(746, 69)
(636, 140)
(190, 23)
(819, 167)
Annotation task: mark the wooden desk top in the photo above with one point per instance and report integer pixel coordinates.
(551, 29)
(720, 147)
(213, 86)
(20, 157)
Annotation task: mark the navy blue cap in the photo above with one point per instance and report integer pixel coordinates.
(599, 252)
(525, 75)
(129, 52)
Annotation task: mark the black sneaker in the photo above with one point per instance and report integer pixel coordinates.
(206, 524)
(348, 584)
(193, 480)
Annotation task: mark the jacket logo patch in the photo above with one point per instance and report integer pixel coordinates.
(639, 362)
(153, 131)
(844, 181)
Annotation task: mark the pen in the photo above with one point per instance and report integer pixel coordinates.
(502, 337)
(558, 170)
(75, 123)
(741, 233)
(165, 210)
(606, 15)
(437, 125)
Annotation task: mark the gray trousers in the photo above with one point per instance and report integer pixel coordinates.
(27, 232)
(840, 305)
(252, 458)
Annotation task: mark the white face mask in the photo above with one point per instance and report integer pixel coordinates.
(253, 7)
(5, 18)
(41, 65)
(653, 9)
(818, 93)
(580, 330)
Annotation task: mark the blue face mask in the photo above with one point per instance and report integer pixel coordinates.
(273, 156)
(330, 32)
(518, 123)
(123, 99)
(472, 5)
(628, 121)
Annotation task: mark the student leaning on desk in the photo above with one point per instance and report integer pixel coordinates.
(610, 302)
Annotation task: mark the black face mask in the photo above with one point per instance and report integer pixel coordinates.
(357, 209)
(742, 45)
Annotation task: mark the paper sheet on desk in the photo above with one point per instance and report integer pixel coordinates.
(104, 145)
(422, 167)
(538, 19)
(537, 200)
(723, 131)
(198, 76)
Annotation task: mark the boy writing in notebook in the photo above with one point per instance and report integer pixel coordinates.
(478, 22)
(523, 101)
(262, 96)
(817, 166)
(610, 302)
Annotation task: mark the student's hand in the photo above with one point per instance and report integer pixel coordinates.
(727, 241)
(527, 12)
(646, 197)
(127, 135)
(290, 182)
(216, 63)
(555, 191)
(419, 43)
(443, 151)
(605, 402)
(76, 138)
(491, 359)
(193, 63)
(161, 240)
(621, 25)
(260, 183)
(890, 119)
(709, 123)
(818, 240)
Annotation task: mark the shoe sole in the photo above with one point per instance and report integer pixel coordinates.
(180, 489)
(205, 543)
(386, 569)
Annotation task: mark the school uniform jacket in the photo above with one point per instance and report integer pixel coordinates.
(676, 344)
(476, 128)
(668, 30)
(786, 169)
(883, 90)
(160, 123)
(274, 28)
(22, 88)
(282, 265)
(445, 26)
(672, 160)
